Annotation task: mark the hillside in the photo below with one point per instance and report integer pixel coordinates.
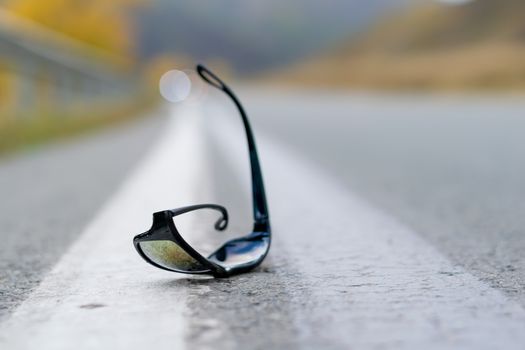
(251, 34)
(477, 45)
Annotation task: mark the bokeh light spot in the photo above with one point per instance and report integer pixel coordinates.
(175, 85)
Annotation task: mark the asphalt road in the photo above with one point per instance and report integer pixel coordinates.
(48, 196)
(340, 273)
(450, 167)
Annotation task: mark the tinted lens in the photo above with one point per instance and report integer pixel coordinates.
(241, 251)
(169, 255)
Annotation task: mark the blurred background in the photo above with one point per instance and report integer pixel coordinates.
(414, 105)
(67, 66)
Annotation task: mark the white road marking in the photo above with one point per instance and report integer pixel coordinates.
(363, 279)
(101, 294)
(371, 281)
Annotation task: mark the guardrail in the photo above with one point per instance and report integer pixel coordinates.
(40, 68)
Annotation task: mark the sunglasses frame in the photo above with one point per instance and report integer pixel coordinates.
(163, 227)
(164, 220)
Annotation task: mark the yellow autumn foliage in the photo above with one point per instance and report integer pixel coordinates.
(105, 24)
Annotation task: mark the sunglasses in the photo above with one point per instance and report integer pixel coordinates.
(163, 246)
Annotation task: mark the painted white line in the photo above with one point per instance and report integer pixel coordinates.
(363, 279)
(101, 295)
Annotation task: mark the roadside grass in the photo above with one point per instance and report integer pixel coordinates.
(33, 129)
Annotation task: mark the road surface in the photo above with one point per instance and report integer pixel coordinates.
(49, 195)
(449, 167)
(396, 225)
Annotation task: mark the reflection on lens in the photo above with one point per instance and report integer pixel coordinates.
(240, 251)
(169, 255)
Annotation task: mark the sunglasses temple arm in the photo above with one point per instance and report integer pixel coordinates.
(220, 225)
(260, 207)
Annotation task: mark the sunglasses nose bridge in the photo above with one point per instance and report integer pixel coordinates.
(160, 219)
(160, 230)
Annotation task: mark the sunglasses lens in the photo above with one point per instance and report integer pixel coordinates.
(171, 256)
(242, 251)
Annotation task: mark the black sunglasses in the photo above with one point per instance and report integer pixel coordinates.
(163, 246)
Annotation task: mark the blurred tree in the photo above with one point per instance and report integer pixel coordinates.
(105, 24)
